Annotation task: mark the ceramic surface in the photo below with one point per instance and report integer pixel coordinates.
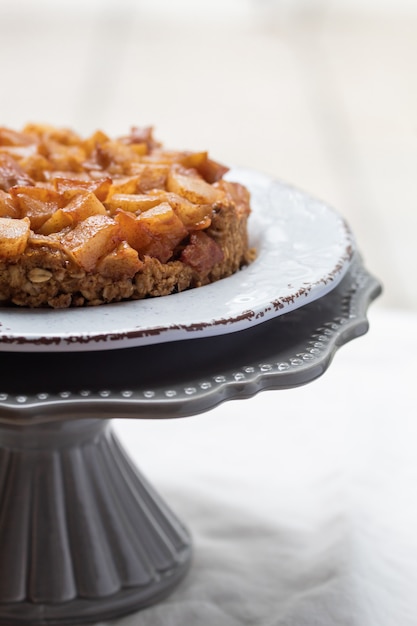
(171, 380)
(304, 249)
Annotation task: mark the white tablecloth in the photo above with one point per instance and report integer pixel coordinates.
(302, 503)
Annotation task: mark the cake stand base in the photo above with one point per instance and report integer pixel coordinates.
(83, 536)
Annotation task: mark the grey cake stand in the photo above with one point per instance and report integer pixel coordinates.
(83, 536)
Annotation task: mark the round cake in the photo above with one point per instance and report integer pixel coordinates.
(86, 221)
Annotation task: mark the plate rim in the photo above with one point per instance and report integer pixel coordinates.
(321, 330)
(177, 331)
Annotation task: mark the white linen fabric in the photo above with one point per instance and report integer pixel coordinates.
(302, 503)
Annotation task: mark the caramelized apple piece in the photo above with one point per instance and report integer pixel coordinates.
(165, 228)
(192, 187)
(11, 173)
(133, 231)
(69, 187)
(149, 176)
(155, 232)
(14, 234)
(210, 170)
(117, 157)
(57, 222)
(91, 143)
(202, 253)
(8, 206)
(132, 202)
(53, 241)
(92, 239)
(62, 156)
(193, 216)
(78, 209)
(124, 184)
(9, 137)
(83, 205)
(238, 193)
(123, 262)
(37, 203)
(47, 132)
(36, 166)
(141, 135)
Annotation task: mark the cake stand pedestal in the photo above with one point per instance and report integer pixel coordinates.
(83, 536)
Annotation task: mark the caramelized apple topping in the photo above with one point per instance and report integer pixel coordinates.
(101, 197)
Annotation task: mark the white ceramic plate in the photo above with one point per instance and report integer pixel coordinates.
(303, 248)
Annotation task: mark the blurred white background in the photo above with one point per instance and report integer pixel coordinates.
(319, 93)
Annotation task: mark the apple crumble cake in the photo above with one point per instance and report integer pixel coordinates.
(86, 221)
